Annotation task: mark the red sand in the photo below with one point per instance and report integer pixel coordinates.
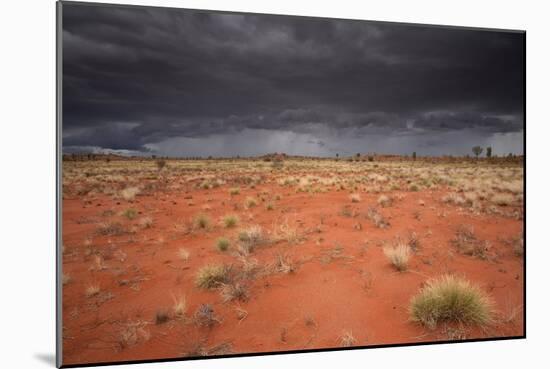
(355, 291)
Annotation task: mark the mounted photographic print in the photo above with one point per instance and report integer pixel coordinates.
(240, 184)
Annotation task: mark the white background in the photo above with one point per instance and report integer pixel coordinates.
(27, 206)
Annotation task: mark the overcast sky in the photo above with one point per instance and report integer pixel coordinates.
(189, 83)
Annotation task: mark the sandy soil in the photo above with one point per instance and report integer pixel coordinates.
(342, 282)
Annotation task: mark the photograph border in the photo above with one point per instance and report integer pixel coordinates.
(59, 183)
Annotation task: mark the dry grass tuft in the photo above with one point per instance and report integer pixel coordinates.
(204, 316)
(212, 276)
(284, 264)
(517, 244)
(398, 255)
(414, 242)
(290, 234)
(250, 202)
(230, 221)
(384, 201)
(183, 254)
(454, 198)
(355, 197)
(92, 290)
(130, 213)
(251, 237)
(146, 222)
(129, 193)
(222, 244)
(377, 218)
(451, 299)
(503, 199)
(111, 229)
(234, 291)
(467, 243)
(347, 339)
(132, 333)
(202, 221)
(180, 306)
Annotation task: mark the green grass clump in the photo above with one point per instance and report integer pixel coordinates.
(212, 276)
(222, 244)
(250, 202)
(230, 221)
(202, 221)
(450, 299)
(234, 191)
(130, 213)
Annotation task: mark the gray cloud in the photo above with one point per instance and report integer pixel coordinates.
(160, 80)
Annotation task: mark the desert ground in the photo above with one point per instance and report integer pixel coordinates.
(178, 258)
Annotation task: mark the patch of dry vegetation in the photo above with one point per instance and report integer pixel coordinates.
(252, 237)
(234, 291)
(212, 276)
(377, 218)
(111, 229)
(467, 243)
(92, 290)
(451, 299)
(384, 201)
(250, 202)
(202, 221)
(183, 254)
(355, 197)
(180, 306)
(129, 193)
(398, 255)
(222, 244)
(347, 339)
(230, 221)
(204, 316)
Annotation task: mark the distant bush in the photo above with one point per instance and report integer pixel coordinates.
(277, 163)
(161, 163)
(477, 150)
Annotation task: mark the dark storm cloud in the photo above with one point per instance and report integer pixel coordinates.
(138, 78)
